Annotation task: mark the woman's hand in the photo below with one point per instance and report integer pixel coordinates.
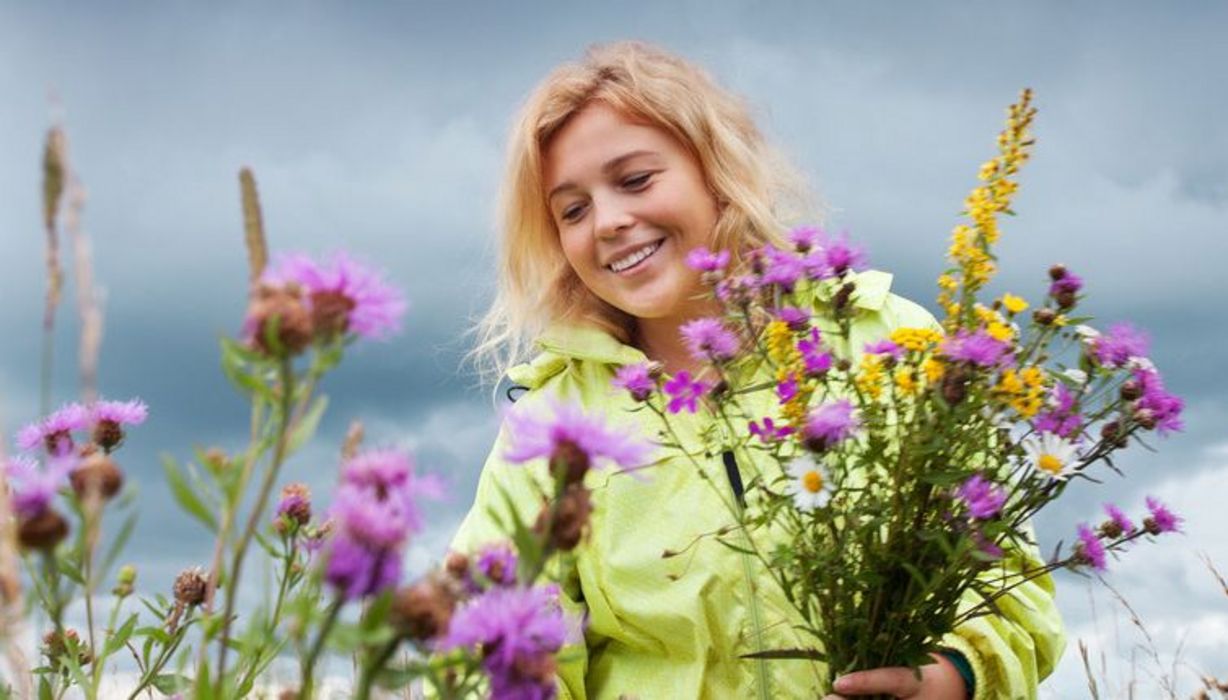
(939, 681)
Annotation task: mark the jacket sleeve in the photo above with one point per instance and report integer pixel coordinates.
(1010, 653)
(503, 485)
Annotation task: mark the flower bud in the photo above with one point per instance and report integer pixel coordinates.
(97, 474)
(1044, 316)
(1111, 433)
(1131, 389)
(108, 434)
(43, 531)
(457, 565)
(1110, 529)
(190, 587)
(285, 306)
(955, 384)
(1146, 418)
(1065, 299)
(294, 509)
(571, 460)
(57, 645)
(1057, 272)
(125, 580)
(424, 610)
(843, 296)
(216, 460)
(570, 516)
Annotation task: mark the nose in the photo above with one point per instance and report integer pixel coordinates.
(610, 217)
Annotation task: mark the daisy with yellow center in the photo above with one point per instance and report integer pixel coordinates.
(807, 484)
(1050, 454)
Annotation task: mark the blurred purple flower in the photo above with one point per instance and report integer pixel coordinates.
(885, 347)
(1117, 346)
(1162, 408)
(685, 392)
(709, 339)
(531, 437)
(1091, 548)
(343, 294)
(55, 431)
(815, 360)
(770, 432)
(636, 379)
(982, 499)
(978, 348)
(780, 268)
(829, 424)
(805, 238)
(705, 260)
(498, 564)
(1119, 518)
(32, 488)
(786, 390)
(834, 257)
(518, 631)
(1161, 519)
(132, 412)
(792, 316)
(1068, 283)
(1061, 419)
(355, 570)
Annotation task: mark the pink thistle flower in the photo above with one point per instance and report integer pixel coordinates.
(835, 257)
(982, 499)
(705, 260)
(829, 425)
(978, 348)
(55, 431)
(1116, 347)
(570, 434)
(1156, 408)
(786, 391)
(355, 570)
(636, 379)
(885, 347)
(709, 339)
(770, 433)
(805, 237)
(498, 564)
(685, 392)
(815, 361)
(344, 296)
(1119, 519)
(1089, 549)
(1061, 419)
(518, 631)
(109, 417)
(1161, 519)
(781, 268)
(795, 318)
(33, 489)
(1067, 283)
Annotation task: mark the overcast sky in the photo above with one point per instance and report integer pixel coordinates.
(379, 127)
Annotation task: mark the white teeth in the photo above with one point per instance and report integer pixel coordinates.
(632, 259)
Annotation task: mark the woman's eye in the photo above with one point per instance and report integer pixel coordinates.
(572, 213)
(637, 182)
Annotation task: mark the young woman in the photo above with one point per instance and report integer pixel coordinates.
(618, 166)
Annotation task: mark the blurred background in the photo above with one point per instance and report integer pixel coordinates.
(380, 127)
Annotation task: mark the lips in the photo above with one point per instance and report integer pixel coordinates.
(635, 257)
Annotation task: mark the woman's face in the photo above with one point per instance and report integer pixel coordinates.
(629, 202)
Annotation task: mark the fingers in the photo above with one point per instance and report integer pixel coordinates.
(898, 681)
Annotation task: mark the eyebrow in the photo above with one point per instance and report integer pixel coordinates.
(611, 165)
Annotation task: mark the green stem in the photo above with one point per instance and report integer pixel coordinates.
(306, 686)
(367, 679)
(275, 619)
(163, 656)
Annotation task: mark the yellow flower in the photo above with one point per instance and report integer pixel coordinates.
(905, 381)
(870, 376)
(933, 369)
(1000, 331)
(915, 339)
(1013, 303)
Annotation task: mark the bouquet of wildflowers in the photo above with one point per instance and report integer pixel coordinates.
(901, 475)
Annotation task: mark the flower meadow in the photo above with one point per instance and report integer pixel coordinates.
(893, 491)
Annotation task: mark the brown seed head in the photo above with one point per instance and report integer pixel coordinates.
(97, 474)
(43, 531)
(424, 610)
(190, 586)
(571, 515)
(457, 565)
(285, 305)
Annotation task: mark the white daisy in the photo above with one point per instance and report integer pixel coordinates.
(1077, 376)
(1051, 454)
(807, 484)
(1087, 333)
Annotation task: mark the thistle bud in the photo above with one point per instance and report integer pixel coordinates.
(190, 587)
(97, 474)
(1111, 433)
(43, 531)
(108, 434)
(571, 460)
(424, 610)
(294, 509)
(570, 516)
(216, 460)
(1110, 530)
(1065, 299)
(1131, 389)
(1044, 316)
(843, 296)
(125, 580)
(1057, 272)
(457, 565)
(1146, 418)
(57, 645)
(283, 305)
(955, 384)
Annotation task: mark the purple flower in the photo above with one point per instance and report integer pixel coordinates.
(815, 360)
(1068, 283)
(55, 431)
(685, 392)
(709, 339)
(1161, 519)
(792, 316)
(518, 631)
(343, 295)
(1156, 407)
(1061, 419)
(834, 257)
(705, 260)
(885, 347)
(805, 237)
(498, 564)
(786, 391)
(1119, 518)
(770, 432)
(978, 348)
(829, 424)
(532, 437)
(1122, 342)
(131, 412)
(1090, 547)
(33, 489)
(636, 379)
(982, 499)
(780, 268)
(355, 570)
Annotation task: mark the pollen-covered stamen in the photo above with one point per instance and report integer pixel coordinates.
(634, 258)
(812, 481)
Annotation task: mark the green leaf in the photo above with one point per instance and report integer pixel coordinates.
(236, 360)
(188, 499)
(306, 427)
(44, 689)
(812, 654)
(117, 640)
(171, 683)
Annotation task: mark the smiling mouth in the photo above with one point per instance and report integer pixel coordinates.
(635, 259)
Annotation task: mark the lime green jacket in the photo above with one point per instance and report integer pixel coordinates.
(675, 627)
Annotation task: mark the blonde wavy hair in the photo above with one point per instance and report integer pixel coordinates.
(535, 285)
